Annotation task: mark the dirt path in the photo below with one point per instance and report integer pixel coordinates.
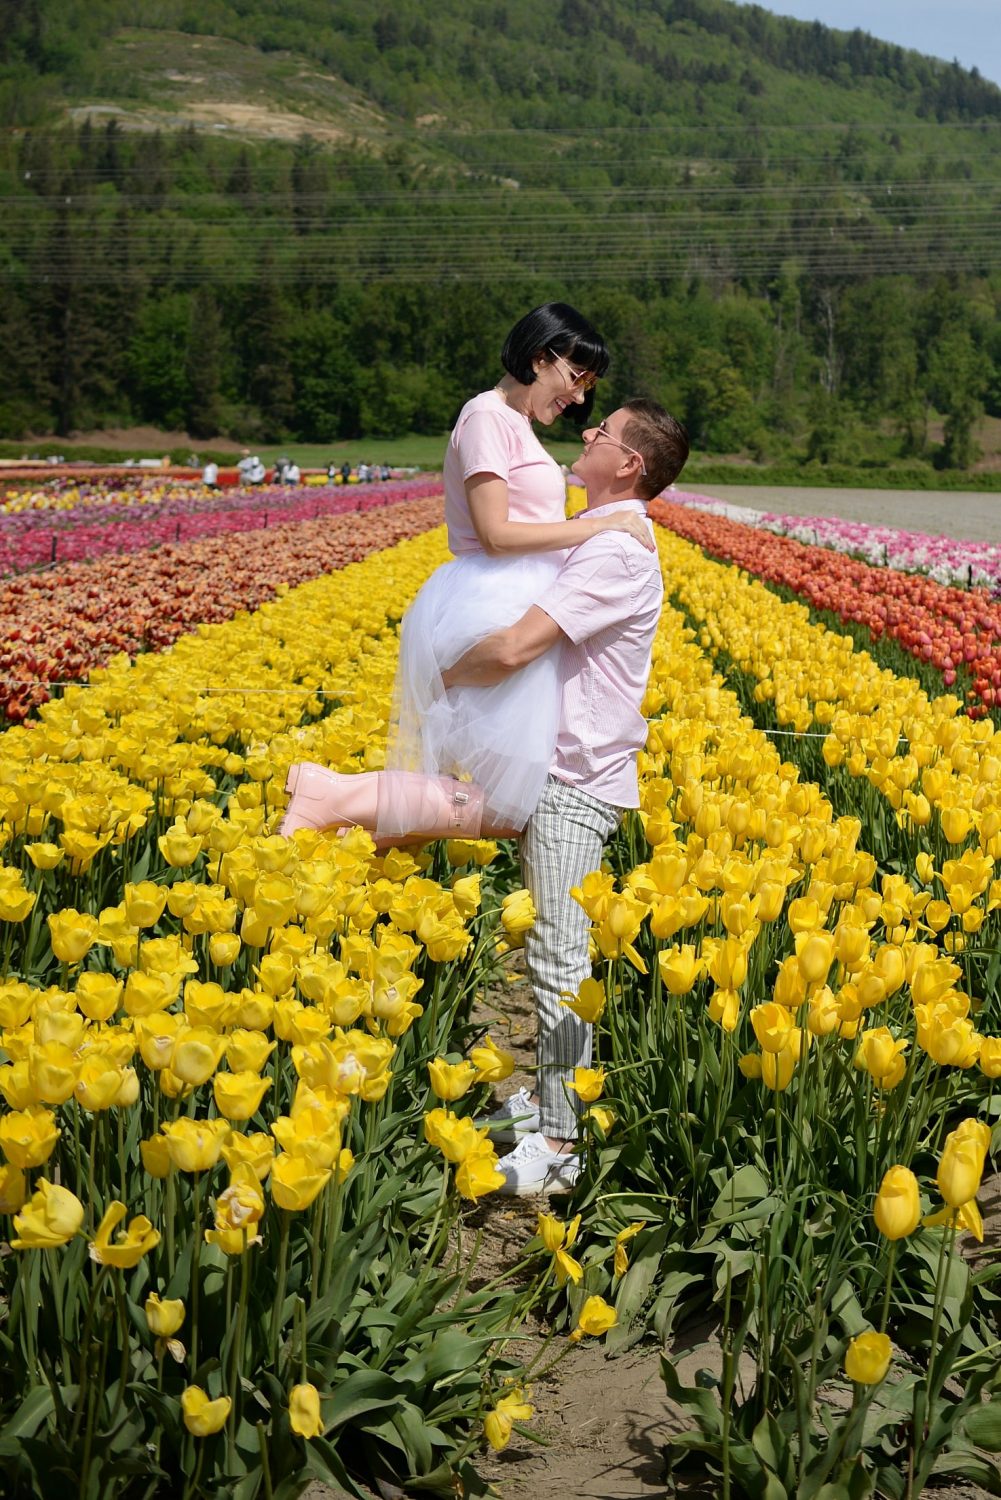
(968, 515)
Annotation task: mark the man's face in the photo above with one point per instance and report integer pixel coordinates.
(606, 457)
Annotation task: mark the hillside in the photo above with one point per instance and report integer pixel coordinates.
(311, 218)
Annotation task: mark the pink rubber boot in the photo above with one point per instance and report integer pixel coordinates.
(407, 805)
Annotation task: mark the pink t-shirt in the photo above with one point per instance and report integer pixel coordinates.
(607, 601)
(490, 437)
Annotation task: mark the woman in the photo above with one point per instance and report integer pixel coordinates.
(473, 760)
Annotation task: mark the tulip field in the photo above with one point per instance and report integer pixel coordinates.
(240, 1075)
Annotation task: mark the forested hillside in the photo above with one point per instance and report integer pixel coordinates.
(316, 221)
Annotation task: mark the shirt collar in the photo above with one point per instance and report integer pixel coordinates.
(633, 504)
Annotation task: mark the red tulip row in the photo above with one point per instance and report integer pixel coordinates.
(59, 625)
(949, 627)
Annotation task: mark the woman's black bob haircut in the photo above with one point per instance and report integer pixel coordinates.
(556, 328)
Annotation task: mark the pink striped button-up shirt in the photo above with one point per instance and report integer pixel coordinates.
(607, 601)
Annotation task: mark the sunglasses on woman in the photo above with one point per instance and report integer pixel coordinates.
(582, 380)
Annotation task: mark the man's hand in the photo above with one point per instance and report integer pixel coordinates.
(504, 652)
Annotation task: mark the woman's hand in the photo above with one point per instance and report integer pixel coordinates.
(628, 521)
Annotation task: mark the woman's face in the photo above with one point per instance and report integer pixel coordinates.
(559, 383)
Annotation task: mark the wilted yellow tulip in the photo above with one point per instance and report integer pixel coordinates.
(867, 1358)
(51, 1217)
(129, 1246)
(498, 1424)
(620, 1264)
(596, 1318)
(203, 1417)
(164, 1317)
(898, 1204)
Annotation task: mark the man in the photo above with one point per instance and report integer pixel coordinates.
(603, 611)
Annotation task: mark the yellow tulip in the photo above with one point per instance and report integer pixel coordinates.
(596, 1318)
(814, 954)
(881, 1055)
(728, 964)
(101, 1083)
(256, 1151)
(478, 1175)
(203, 1417)
(867, 1358)
(990, 1056)
(620, 1263)
(304, 1411)
(491, 1062)
(823, 1016)
(238, 1209)
(44, 856)
(724, 1008)
(13, 1189)
(28, 1137)
(498, 1424)
(155, 1156)
(517, 914)
(224, 948)
(588, 1083)
(145, 994)
(602, 1116)
(72, 934)
(52, 1216)
(195, 1145)
(456, 1138)
(898, 1204)
(144, 903)
(790, 986)
(54, 1072)
(238, 1095)
(16, 903)
(772, 1024)
(197, 1053)
(450, 1081)
(960, 1170)
(248, 1051)
(98, 995)
(129, 1246)
(589, 1002)
(164, 1317)
(179, 847)
(679, 967)
(296, 1182)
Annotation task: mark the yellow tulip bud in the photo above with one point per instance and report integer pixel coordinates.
(898, 1204)
(959, 1170)
(304, 1411)
(868, 1358)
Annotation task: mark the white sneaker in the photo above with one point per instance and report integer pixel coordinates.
(517, 1117)
(534, 1167)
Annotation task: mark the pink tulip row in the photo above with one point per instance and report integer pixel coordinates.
(34, 539)
(943, 558)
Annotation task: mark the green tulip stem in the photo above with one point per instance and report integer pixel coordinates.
(299, 1317)
(277, 1304)
(262, 1443)
(335, 1210)
(237, 1369)
(889, 1282)
(196, 1248)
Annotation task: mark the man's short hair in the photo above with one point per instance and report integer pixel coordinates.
(660, 439)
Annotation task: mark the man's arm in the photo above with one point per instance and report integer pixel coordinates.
(506, 651)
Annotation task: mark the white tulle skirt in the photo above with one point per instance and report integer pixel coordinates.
(500, 737)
